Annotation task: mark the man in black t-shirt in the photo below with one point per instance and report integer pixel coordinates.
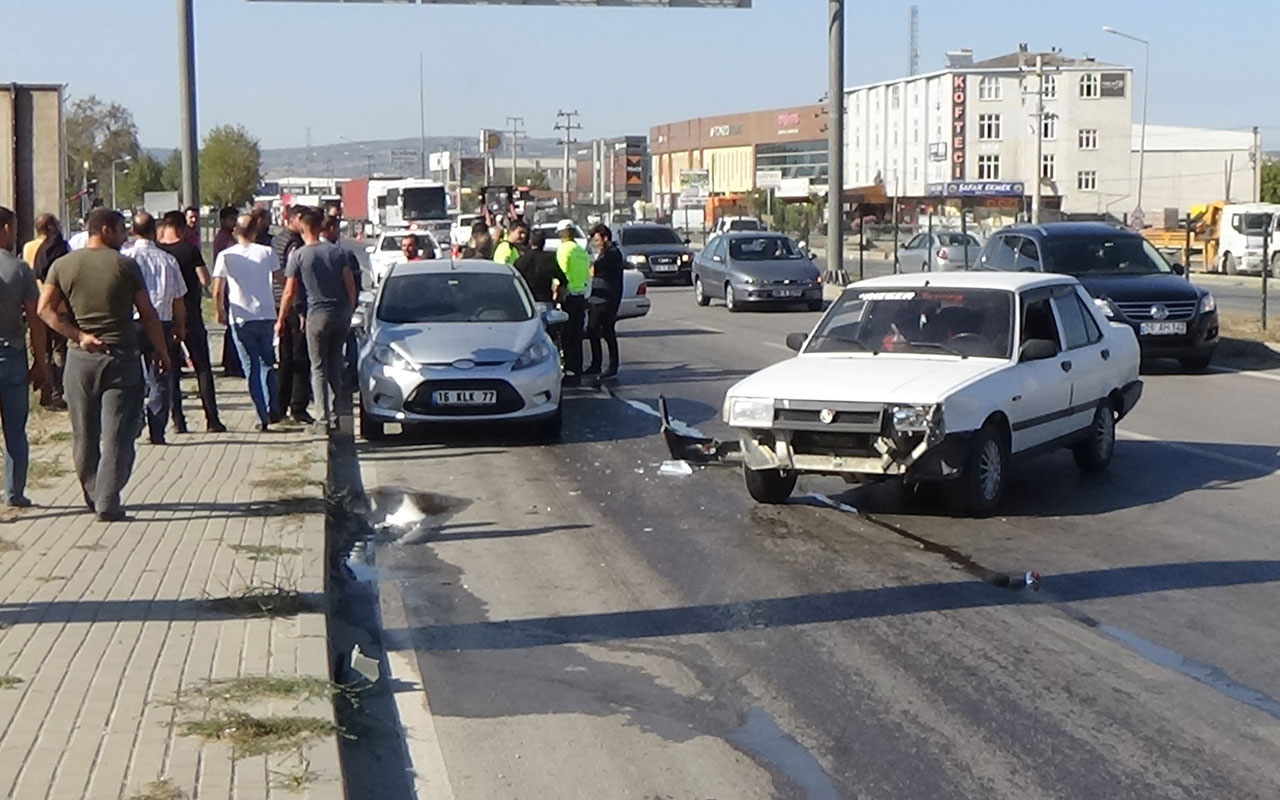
(171, 238)
(294, 371)
(606, 297)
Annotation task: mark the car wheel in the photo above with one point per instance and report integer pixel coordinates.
(1196, 363)
(770, 486)
(1275, 265)
(1094, 453)
(730, 300)
(700, 294)
(1230, 265)
(551, 429)
(980, 487)
(370, 429)
(815, 305)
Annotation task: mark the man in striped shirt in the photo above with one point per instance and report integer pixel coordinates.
(166, 287)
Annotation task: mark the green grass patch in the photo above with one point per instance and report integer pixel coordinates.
(247, 689)
(60, 436)
(264, 552)
(40, 471)
(9, 681)
(255, 736)
(163, 789)
(264, 601)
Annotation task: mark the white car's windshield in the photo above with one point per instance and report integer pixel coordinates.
(454, 297)
(958, 322)
(745, 225)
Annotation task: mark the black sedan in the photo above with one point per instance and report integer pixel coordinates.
(657, 251)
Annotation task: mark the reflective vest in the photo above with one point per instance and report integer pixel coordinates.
(506, 253)
(576, 266)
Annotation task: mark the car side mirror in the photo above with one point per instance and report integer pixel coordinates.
(364, 299)
(1037, 350)
(357, 320)
(370, 249)
(688, 241)
(795, 341)
(554, 316)
(1178, 269)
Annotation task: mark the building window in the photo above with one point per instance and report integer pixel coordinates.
(1047, 171)
(1090, 86)
(1049, 127)
(989, 127)
(915, 169)
(915, 133)
(1050, 87)
(1088, 138)
(988, 167)
(895, 97)
(989, 88)
(1087, 180)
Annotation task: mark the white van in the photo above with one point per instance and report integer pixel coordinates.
(1240, 237)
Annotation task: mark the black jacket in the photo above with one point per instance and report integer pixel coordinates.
(539, 269)
(609, 267)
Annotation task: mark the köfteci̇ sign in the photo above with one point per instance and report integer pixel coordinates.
(959, 103)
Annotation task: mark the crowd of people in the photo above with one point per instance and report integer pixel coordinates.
(113, 314)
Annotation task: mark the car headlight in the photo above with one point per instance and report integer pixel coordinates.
(638, 258)
(912, 419)
(750, 412)
(537, 353)
(687, 257)
(1207, 304)
(1105, 305)
(750, 280)
(387, 356)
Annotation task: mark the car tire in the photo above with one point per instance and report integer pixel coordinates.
(551, 429)
(1229, 264)
(980, 487)
(699, 293)
(814, 305)
(1095, 452)
(1275, 266)
(1196, 363)
(730, 300)
(370, 429)
(771, 486)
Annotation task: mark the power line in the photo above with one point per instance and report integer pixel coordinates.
(568, 126)
(516, 133)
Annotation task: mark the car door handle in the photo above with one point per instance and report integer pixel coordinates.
(1066, 366)
(1106, 354)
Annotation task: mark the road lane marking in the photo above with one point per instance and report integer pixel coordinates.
(1199, 451)
(706, 328)
(1248, 374)
(778, 346)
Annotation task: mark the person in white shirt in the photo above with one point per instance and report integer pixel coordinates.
(242, 283)
(166, 288)
(78, 240)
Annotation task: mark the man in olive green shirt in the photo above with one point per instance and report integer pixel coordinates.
(103, 380)
(575, 263)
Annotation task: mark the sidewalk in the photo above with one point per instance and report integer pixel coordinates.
(111, 634)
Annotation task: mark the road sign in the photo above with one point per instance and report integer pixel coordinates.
(403, 152)
(490, 141)
(768, 178)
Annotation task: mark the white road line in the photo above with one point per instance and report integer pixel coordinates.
(777, 346)
(706, 328)
(1202, 452)
(413, 706)
(1266, 376)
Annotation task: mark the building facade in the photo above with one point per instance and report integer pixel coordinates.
(613, 172)
(783, 149)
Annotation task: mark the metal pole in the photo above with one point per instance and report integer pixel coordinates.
(928, 258)
(862, 226)
(835, 141)
(1142, 145)
(1266, 268)
(187, 103)
(422, 118)
(114, 204)
(1038, 169)
(964, 234)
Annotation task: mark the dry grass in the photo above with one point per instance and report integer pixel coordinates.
(255, 736)
(7, 546)
(163, 789)
(1238, 325)
(264, 601)
(246, 689)
(263, 552)
(42, 471)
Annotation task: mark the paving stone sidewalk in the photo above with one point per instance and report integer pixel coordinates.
(109, 640)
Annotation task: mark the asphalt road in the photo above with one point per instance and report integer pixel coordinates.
(569, 623)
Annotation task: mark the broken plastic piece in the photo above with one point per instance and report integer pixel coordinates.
(367, 668)
(695, 449)
(678, 469)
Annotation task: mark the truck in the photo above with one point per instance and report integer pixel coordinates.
(376, 204)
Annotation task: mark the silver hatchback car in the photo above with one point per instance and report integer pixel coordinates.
(449, 342)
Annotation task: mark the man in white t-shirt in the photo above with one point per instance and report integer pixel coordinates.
(242, 280)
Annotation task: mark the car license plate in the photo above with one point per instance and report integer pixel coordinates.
(464, 398)
(1162, 328)
(786, 292)
(665, 267)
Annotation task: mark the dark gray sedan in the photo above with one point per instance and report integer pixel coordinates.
(752, 268)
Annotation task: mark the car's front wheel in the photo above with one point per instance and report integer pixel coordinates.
(371, 430)
(699, 293)
(980, 487)
(551, 428)
(1095, 452)
(770, 486)
(1197, 363)
(730, 299)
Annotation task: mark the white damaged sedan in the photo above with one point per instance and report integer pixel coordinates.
(939, 377)
(455, 342)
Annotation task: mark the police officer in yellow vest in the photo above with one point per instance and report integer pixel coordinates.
(575, 263)
(511, 248)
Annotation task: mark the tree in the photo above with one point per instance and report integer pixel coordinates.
(100, 134)
(171, 176)
(1271, 182)
(230, 166)
(146, 174)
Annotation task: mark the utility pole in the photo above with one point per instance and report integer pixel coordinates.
(422, 118)
(1256, 157)
(514, 130)
(187, 103)
(568, 126)
(1037, 168)
(835, 138)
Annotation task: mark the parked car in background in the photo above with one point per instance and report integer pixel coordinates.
(728, 224)
(635, 295)
(754, 269)
(657, 251)
(385, 251)
(460, 232)
(551, 229)
(455, 342)
(939, 251)
(925, 378)
(1128, 278)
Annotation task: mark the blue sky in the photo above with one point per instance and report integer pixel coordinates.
(623, 69)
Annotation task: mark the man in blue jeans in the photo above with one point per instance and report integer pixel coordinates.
(17, 300)
(242, 283)
(322, 269)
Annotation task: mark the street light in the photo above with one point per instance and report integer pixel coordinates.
(124, 160)
(1146, 86)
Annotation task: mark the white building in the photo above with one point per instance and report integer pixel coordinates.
(970, 131)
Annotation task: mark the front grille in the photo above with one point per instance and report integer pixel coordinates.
(786, 283)
(856, 445)
(1178, 309)
(848, 417)
(419, 400)
(662, 261)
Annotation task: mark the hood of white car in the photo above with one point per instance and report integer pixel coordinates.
(863, 377)
(445, 343)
